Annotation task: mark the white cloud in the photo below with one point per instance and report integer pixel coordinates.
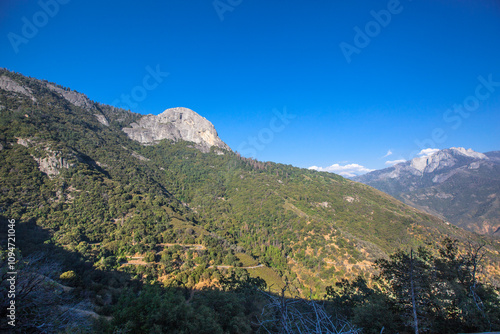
(387, 154)
(394, 162)
(349, 170)
(427, 152)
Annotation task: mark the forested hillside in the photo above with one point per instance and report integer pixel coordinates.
(199, 230)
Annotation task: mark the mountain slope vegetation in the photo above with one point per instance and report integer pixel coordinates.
(171, 214)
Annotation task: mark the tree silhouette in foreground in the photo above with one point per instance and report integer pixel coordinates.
(422, 291)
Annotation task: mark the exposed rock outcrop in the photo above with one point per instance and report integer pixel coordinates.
(176, 124)
(10, 85)
(79, 100)
(102, 119)
(52, 163)
(75, 98)
(49, 161)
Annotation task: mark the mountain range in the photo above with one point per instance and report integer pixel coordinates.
(113, 197)
(313, 219)
(459, 185)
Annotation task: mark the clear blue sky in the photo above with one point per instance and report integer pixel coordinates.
(236, 63)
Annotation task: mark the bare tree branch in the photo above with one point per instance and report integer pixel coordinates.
(296, 315)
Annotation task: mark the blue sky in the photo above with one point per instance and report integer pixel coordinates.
(308, 83)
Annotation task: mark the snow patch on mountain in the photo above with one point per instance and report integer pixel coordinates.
(469, 153)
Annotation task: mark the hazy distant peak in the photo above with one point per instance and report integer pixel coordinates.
(444, 158)
(429, 163)
(470, 153)
(459, 184)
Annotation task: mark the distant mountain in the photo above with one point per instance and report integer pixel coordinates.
(461, 186)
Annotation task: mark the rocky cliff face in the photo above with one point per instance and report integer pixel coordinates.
(176, 124)
(75, 98)
(10, 85)
(49, 161)
(79, 100)
(459, 185)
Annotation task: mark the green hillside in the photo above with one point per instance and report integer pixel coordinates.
(169, 213)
